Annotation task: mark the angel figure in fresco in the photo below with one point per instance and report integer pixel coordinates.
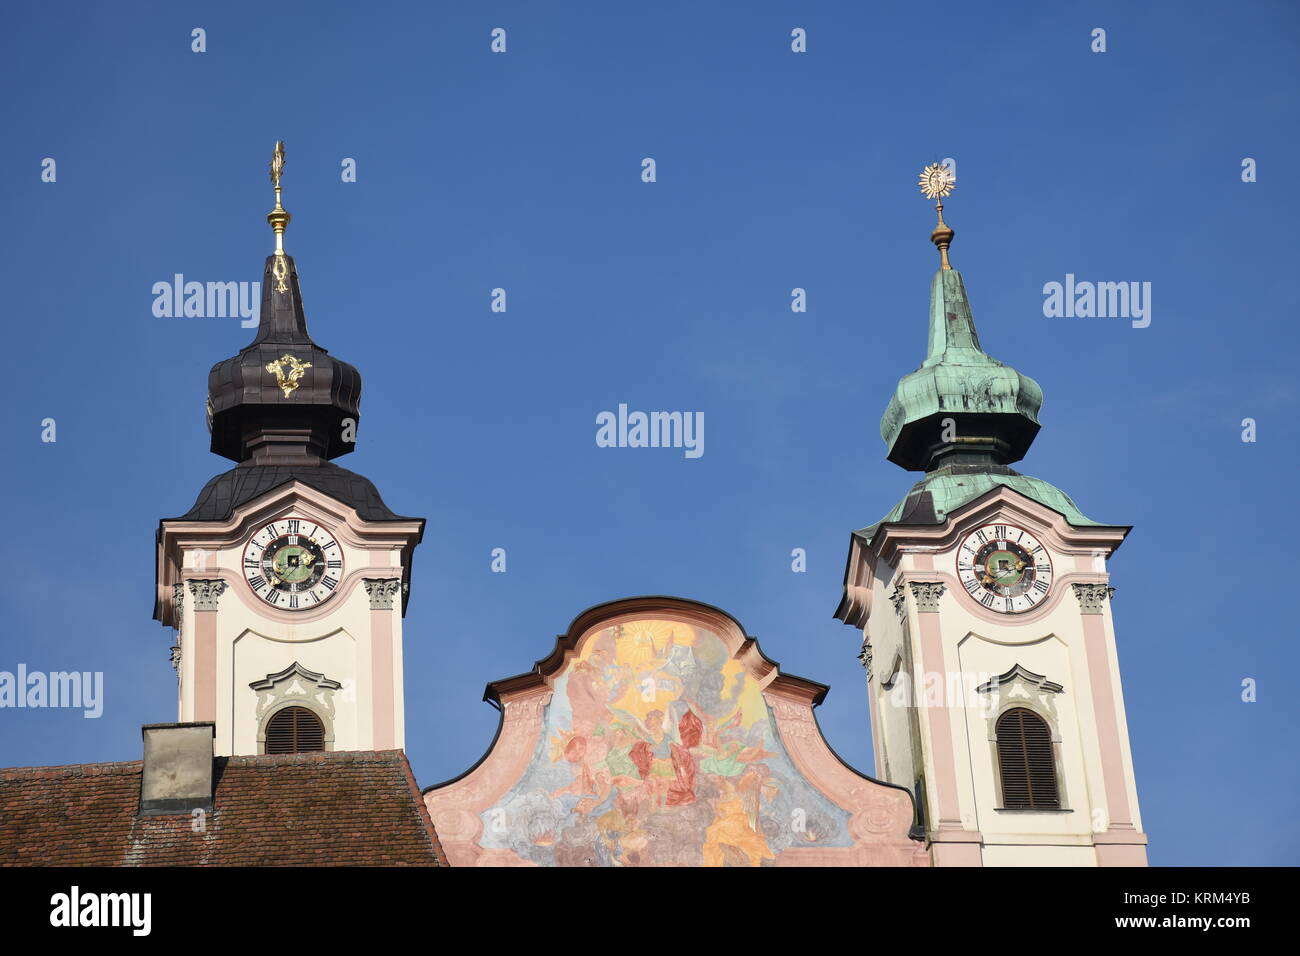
(735, 837)
(587, 698)
(592, 780)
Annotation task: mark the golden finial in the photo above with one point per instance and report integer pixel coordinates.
(937, 181)
(279, 217)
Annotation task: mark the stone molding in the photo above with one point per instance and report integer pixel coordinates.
(295, 686)
(1024, 674)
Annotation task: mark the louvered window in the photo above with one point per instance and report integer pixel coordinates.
(1026, 761)
(294, 730)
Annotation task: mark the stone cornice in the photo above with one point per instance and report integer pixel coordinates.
(238, 588)
(1053, 529)
(893, 540)
(176, 537)
(743, 647)
(1020, 673)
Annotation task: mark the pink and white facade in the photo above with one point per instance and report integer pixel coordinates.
(944, 668)
(237, 654)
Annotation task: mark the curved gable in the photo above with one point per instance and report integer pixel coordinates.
(657, 734)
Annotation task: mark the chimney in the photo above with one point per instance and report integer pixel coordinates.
(177, 768)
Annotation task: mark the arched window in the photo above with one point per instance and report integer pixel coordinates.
(1026, 762)
(294, 730)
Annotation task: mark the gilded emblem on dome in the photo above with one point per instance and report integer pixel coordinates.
(937, 181)
(289, 382)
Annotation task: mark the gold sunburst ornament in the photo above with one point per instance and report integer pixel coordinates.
(937, 181)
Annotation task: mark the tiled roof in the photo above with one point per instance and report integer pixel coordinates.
(347, 808)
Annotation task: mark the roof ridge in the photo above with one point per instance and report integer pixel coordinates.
(315, 756)
(104, 767)
(431, 832)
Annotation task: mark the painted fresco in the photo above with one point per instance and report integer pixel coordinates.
(657, 748)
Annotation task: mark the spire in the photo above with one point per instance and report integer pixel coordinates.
(283, 399)
(279, 218)
(962, 406)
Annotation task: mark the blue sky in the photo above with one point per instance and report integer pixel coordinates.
(775, 171)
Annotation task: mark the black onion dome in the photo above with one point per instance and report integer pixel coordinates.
(251, 416)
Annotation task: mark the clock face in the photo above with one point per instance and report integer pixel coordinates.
(1005, 568)
(293, 563)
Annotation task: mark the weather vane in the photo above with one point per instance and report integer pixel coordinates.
(937, 181)
(279, 219)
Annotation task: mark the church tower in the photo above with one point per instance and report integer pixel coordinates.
(287, 581)
(984, 602)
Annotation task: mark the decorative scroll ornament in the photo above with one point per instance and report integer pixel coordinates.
(287, 383)
(295, 685)
(280, 269)
(206, 593)
(1093, 597)
(1023, 674)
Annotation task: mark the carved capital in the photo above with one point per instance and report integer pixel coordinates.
(382, 591)
(927, 594)
(176, 659)
(206, 593)
(1093, 597)
(178, 598)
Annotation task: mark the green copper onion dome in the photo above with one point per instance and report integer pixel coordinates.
(992, 408)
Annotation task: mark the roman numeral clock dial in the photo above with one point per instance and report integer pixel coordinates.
(1004, 568)
(293, 564)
